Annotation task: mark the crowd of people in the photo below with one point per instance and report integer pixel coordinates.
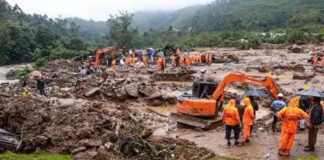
(300, 108)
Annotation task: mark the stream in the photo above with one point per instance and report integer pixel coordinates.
(7, 68)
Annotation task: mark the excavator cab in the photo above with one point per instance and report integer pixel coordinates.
(203, 89)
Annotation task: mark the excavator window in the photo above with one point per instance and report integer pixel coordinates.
(203, 89)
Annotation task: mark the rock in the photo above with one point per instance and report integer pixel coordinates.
(11, 74)
(156, 102)
(303, 76)
(155, 96)
(148, 91)
(299, 68)
(84, 133)
(121, 93)
(278, 72)
(86, 155)
(108, 145)
(132, 90)
(42, 140)
(102, 153)
(264, 69)
(91, 91)
(77, 150)
(296, 49)
(91, 143)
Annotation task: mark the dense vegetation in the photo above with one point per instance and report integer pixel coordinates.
(226, 23)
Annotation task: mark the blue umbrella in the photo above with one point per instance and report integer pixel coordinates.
(255, 93)
(311, 93)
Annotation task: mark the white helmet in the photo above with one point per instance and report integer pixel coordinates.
(280, 95)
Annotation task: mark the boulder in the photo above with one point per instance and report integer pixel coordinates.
(102, 153)
(11, 74)
(264, 69)
(91, 91)
(148, 91)
(132, 90)
(303, 76)
(296, 49)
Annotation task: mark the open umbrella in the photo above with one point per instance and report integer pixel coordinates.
(311, 93)
(255, 93)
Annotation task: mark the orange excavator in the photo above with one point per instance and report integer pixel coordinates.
(200, 109)
(96, 61)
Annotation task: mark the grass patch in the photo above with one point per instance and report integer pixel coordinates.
(308, 158)
(34, 156)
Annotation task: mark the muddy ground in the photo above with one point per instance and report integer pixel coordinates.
(126, 114)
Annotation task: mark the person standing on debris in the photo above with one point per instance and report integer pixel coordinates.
(304, 104)
(248, 117)
(41, 86)
(289, 116)
(277, 106)
(159, 64)
(144, 59)
(187, 62)
(199, 58)
(121, 64)
(113, 63)
(255, 108)
(316, 118)
(210, 59)
(315, 61)
(231, 119)
(173, 60)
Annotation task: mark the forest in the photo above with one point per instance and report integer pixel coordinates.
(222, 23)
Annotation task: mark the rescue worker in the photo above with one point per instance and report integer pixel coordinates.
(113, 63)
(289, 115)
(144, 59)
(128, 60)
(163, 64)
(133, 59)
(26, 93)
(231, 119)
(255, 108)
(199, 58)
(187, 62)
(315, 61)
(159, 64)
(207, 58)
(315, 121)
(277, 106)
(41, 86)
(248, 117)
(182, 61)
(173, 60)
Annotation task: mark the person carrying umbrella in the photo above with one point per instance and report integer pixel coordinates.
(276, 106)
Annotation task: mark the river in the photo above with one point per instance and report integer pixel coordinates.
(7, 68)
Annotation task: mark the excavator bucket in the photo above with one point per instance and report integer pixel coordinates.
(197, 122)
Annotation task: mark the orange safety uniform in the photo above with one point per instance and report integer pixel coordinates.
(144, 59)
(187, 61)
(173, 60)
(182, 61)
(230, 114)
(128, 61)
(209, 59)
(113, 63)
(159, 64)
(315, 60)
(289, 116)
(248, 117)
(133, 59)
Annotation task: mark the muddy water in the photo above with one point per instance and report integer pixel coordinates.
(5, 69)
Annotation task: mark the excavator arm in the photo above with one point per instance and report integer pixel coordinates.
(266, 82)
(96, 61)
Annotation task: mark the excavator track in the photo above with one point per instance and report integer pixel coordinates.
(209, 123)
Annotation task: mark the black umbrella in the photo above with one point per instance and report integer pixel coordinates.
(255, 93)
(311, 93)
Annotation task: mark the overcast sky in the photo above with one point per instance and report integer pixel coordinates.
(98, 9)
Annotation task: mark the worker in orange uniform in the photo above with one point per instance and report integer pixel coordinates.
(206, 58)
(163, 64)
(231, 119)
(144, 59)
(187, 62)
(128, 61)
(159, 64)
(173, 60)
(133, 59)
(248, 117)
(113, 63)
(289, 117)
(315, 61)
(182, 62)
(210, 59)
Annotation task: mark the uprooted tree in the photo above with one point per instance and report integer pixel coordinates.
(119, 30)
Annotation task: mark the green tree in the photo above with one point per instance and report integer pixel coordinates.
(119, 30)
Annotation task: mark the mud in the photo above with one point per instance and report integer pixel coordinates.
(126, 114)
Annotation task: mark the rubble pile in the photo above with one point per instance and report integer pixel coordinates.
(89, 130)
